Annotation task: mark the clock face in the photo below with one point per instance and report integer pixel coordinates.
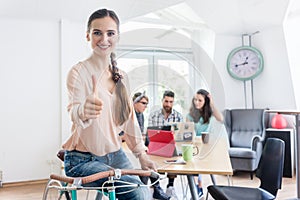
(245, 63)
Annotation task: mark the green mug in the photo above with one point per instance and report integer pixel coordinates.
(188, 151)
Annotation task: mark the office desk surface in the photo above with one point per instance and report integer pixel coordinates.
(213, 159)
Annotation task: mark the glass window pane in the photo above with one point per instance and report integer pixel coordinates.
(129, 64)
(179, 66)
(155, 71)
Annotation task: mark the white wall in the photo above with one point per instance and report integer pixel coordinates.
(274, 87)
(36, 57)
(30, 104)
(74, 48)
(292, 32)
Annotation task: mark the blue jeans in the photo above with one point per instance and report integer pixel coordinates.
(78, 164)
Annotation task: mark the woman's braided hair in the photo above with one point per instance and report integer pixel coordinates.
(122, 106)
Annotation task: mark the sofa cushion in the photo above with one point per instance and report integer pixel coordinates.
(236, 152)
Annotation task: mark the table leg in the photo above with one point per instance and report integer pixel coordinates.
(297, 156)
(229, 179)
(213, 180)
(192, 187)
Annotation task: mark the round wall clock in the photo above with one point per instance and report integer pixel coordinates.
(245, 63)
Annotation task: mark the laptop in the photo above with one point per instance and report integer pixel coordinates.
(184, 133)
(161, 143)
(166, 128)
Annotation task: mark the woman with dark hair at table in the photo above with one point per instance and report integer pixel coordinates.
(201, 111)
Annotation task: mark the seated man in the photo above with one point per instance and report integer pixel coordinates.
(162, 117)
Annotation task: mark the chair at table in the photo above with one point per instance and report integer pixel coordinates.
(269, 171)
(246, 134)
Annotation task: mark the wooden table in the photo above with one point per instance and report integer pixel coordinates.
(216, 162)
(296, 113)
(213, 159)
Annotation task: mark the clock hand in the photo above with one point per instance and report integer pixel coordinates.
(236, 65)
(244, 63)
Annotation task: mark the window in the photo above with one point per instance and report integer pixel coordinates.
(157, 70)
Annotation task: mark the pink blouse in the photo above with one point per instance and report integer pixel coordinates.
(98, 136)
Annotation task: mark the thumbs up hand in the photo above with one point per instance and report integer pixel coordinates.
(93, 104)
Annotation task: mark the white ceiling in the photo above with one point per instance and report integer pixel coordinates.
(223, 16)
(79, 9)
(241, 15)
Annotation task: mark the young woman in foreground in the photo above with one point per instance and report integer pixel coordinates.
(101, 111)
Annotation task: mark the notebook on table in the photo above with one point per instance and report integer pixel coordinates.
(161, 143)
